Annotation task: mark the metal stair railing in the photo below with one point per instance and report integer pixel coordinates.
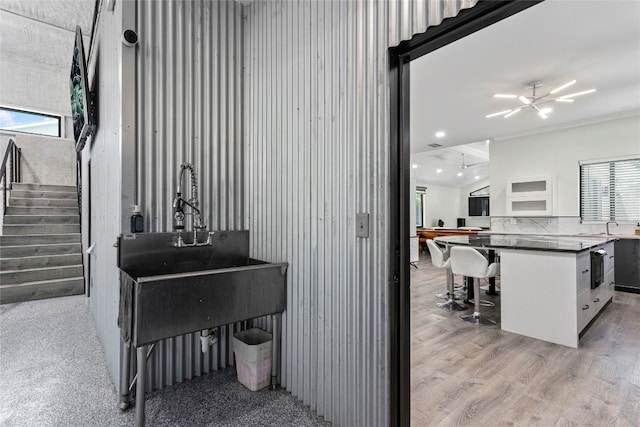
(13, 173)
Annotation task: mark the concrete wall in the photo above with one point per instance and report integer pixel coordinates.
(45, 160)
(35, 57)
(558, 153)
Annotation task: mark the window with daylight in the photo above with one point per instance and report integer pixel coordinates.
(610, 190)
(419, 208)
(25, 121)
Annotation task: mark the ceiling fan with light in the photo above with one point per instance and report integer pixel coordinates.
(465, 165)
(535, 101)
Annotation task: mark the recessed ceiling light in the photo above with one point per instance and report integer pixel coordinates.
(414, 166)
(459, 174)
(440, 134)
(438, 170)
(476, 177)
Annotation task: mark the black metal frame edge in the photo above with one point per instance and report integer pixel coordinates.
(468, 21)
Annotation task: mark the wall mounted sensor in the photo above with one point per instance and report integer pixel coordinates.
(129, 38)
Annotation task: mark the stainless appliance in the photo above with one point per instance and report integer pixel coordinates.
(597, 267)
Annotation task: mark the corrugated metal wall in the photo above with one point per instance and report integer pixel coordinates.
(188, 109)
(317, 121)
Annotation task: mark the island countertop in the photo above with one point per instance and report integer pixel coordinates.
(530, 242)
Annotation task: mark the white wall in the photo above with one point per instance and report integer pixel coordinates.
(45, 160)
(473, 221)
(441, 202)
(412, 205)
(557, 153)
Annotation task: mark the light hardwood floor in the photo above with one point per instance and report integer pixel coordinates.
(462, 374)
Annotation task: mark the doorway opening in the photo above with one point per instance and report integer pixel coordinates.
(402, 209)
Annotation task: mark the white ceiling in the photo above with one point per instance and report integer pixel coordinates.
(595, 42)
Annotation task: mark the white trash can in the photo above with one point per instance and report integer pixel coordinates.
(253, 358)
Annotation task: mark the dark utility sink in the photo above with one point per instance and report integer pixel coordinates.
(167, 291)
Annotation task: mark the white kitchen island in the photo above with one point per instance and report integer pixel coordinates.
(546, 290)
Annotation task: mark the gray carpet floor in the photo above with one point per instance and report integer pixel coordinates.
(52, 373)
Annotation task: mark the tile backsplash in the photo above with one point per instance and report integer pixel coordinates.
(554, 225)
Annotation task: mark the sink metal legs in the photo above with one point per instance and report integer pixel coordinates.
(275, 350)
(142, 379)
(143, 353)
(125, 389)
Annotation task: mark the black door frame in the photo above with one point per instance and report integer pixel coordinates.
(468, 21)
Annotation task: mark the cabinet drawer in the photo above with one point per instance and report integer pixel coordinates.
(585, 309)
(599, 297)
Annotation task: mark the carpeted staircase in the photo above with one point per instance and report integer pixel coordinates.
(40, 249)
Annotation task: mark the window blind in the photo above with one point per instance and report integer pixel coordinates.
(610, 190)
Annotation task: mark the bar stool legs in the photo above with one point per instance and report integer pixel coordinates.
(477, 318)
(451, 304)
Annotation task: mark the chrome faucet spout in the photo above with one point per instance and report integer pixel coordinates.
(179, 205)
(607, 226)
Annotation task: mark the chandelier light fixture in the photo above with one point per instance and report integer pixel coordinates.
(534, 101)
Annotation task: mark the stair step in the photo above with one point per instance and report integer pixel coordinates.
(44, 202)
(41, 289)
(13, 277)
(28, 210)
(37, 250)
(43, 187)
(33, 194)
(44, 261)
(41, 219)
(40, 229)
(39, 239)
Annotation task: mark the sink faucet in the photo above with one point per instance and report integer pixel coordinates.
(178, 210)
(610, 222)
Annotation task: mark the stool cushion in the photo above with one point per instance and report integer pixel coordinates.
(469, 262)
(437, 255)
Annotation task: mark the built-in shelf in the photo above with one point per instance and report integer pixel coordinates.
(530, 196)
(530, 186)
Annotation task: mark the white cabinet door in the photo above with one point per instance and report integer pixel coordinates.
(584, 271)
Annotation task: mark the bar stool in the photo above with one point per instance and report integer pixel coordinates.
(437, 259)
(471, 263)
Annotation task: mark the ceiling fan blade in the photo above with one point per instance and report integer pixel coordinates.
(476, 164)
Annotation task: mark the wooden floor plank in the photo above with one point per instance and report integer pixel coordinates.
(463, 374)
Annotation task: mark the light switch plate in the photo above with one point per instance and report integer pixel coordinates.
(362, 225)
